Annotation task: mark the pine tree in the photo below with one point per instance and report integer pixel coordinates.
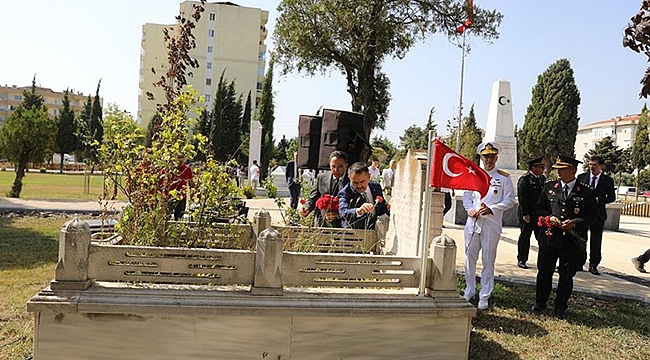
(613, 156)
(242, 155)
(84, 130)
(225, 131)
(551, 120)
(470, 137)
(27, 136)
(267, 118)
(96, 128)
(66, 136)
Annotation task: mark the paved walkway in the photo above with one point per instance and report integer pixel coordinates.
(619, 279)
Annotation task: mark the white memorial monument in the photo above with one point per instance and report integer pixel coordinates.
(255, 145)
(500, 125)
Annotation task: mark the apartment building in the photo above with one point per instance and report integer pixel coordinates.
(12, 96)
(229, 37)
(622, 129)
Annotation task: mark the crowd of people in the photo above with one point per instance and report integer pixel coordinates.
(562, 214)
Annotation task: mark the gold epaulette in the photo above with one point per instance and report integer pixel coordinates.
(501, 172)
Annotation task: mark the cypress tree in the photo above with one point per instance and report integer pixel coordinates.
(66, 138)
(551, 120)
(267, 118)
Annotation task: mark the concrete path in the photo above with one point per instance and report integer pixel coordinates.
(619, 278)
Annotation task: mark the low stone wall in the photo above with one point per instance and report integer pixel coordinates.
(457, 215)
(127, 302)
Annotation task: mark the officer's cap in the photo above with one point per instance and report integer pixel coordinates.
(488, 148)
(563, 162)
(535, 162)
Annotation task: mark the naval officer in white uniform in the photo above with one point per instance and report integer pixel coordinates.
(484, 224)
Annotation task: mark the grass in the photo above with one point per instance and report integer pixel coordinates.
(593, 329)
(42, 186)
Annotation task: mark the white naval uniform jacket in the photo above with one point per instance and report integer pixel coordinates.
(500, 197)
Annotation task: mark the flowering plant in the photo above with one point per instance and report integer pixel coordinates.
(549, 222)
(328, 202)
(303, 201)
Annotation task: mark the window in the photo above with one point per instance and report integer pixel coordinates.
(210, 49)
(259, 86)
(212, 16)
(208, 65)
(210, 33)
(208, 81)
(207, 98)
(3, 96)
(18, 97)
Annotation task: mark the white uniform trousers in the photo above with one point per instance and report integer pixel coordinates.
(485, 242)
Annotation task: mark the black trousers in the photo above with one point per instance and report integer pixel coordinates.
(595, 244)
(523, 243)
(645, 257)
(294, 192)
(447, 204)
(547, 257)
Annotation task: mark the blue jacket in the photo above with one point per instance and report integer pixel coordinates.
(350, 200)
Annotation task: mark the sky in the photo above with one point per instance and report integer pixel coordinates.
(74, 43)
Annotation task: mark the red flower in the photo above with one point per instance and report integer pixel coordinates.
(303, 201)
(379, 199)
(328, 202)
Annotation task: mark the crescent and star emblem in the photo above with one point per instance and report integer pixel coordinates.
(445, 164)
(503, 100)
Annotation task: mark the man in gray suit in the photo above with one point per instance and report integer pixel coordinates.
(328, 182)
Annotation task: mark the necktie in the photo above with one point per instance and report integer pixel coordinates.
(566, 191)
(335, 186)
(593, 182)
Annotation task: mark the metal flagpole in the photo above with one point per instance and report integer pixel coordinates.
(424, 234)
(460, 104)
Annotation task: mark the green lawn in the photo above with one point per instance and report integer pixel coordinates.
(593, 330)
(37, 185)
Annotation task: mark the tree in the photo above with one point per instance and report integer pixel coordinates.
(152, 128)
(637, 38)
(617, 160)
(470, 137)
(27, 136)
(356, 37)
(281, 152)
(96, 134)
(66, 136)
(551, 120)
(640, 155)
(380, 142)
(225, 121)
(267, 118)
(84, 129)
(246, 117)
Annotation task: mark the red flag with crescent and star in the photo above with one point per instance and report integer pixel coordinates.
(451, 170)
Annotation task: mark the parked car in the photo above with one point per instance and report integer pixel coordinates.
(626, 190)
(646, 194)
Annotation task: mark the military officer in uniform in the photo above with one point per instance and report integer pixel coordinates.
(570, 205)
(529, 187)
(484, 224)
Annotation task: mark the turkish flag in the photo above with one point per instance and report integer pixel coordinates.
(451, 170)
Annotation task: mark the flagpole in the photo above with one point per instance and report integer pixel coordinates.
(426, 212)
(460, 103)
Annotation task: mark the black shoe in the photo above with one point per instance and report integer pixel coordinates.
(560, 314)
(594, 270)
(522, 264)
(538, 308)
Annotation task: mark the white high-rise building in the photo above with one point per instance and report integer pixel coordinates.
(228, 37)
(622, 129)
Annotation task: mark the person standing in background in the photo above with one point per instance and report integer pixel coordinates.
(254, 175)
(603, 187)
(293, 181)
(529, 187)
(388, 177)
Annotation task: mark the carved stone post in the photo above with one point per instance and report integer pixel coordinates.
(261, 222)
(268, 264)
(442, 275)
(72, 269)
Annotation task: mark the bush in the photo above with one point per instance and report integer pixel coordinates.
(248, 191)
(3, 169)
(43, 170)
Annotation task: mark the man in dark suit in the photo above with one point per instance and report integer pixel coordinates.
(570, 205)
(293, 183)
(603, 187)
(361, 201)
(328, 182)
(529, 187)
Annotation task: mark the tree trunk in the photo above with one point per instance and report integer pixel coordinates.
(18, 182)
(61, 166)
